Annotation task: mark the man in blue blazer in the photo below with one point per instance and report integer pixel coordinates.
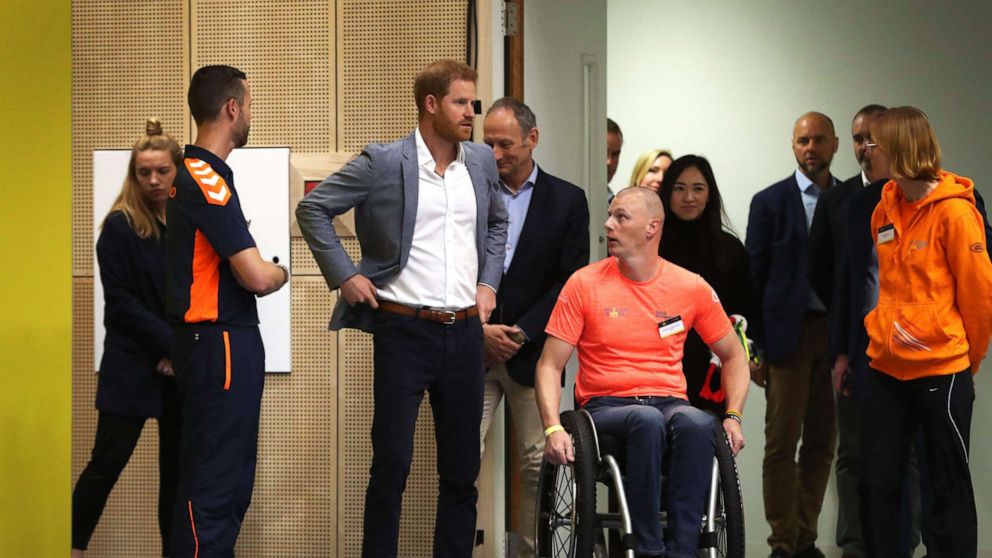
(827, 239)
(547, 240)
(432, 228)
(794, 329)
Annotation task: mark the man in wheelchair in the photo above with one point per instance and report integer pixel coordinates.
(628, 315)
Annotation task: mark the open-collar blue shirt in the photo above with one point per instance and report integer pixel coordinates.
(517, 205)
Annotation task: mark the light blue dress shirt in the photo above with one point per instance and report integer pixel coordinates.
(516, 209)
(810, 193)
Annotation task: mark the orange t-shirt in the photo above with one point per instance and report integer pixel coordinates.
(630, 335)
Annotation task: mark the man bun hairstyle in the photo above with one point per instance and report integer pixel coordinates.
(211, 87)
(153, 127)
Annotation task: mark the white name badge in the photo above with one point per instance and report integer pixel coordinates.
(886, 233)
(671, 326)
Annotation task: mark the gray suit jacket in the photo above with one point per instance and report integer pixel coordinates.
(382, 185)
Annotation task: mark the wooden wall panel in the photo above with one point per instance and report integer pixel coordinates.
(381, 47)
(127, 65)
(286, 48)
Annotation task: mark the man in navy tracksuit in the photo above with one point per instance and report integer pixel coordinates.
(214, 273)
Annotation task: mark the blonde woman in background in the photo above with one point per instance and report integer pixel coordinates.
(650, 169)
(135, 380)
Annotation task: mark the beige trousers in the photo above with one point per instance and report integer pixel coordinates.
(530, 442)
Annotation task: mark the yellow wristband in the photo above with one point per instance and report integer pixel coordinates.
(734, 412)
(552, 429)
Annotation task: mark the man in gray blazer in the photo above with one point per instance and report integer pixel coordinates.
(432, 227)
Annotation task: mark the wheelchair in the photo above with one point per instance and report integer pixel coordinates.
(570, 526)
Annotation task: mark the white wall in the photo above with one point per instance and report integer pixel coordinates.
(560, 37)
(728, 79)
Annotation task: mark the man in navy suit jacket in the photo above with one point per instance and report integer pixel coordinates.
(547, 239)
(827, 237)
(794, 330)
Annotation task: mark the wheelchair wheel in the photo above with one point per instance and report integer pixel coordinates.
(566, 503)
(730, 524)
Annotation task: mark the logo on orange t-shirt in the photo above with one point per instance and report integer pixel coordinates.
(615, 312)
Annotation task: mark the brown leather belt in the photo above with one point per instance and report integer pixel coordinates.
(447, 317)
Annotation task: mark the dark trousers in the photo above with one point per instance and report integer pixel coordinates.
(850, 535)
(941, 406)
(650, 427)
(221, 372)
(412, 355)
(116, 438)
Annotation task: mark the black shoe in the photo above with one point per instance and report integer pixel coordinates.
(809, 552)
(779, 553)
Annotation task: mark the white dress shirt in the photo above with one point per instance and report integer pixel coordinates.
(442, 270)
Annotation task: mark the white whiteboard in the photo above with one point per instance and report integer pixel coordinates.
(261, 177)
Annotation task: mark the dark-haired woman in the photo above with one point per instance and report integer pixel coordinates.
(136, 380)
(695, 236)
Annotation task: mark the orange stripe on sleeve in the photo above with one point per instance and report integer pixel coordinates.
(227, 361)
(192, 525)
(206, 278)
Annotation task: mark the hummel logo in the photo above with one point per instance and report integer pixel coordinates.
(214, 187)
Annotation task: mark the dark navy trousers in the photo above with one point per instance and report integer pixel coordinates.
(411, 356)
(221, 372)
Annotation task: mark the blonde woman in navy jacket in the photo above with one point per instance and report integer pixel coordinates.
(135, 377)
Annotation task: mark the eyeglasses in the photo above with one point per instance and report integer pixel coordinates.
(870, 145)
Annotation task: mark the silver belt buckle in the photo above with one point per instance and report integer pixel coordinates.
(451, 317)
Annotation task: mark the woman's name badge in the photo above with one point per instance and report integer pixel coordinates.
(671, 326)
(886, 233)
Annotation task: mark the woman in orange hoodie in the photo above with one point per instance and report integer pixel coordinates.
(927, 335)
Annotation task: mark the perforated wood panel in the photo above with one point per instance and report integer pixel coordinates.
(286, 48)
(130, 525)
(128, 64)
(381, 48)
(420, 497)
(293, 510)
(302, 258)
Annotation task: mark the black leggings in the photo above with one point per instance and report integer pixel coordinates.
(116, 437)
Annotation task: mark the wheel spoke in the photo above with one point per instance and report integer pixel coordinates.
(561, 513)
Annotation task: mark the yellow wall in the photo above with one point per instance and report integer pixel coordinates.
(35, 295)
